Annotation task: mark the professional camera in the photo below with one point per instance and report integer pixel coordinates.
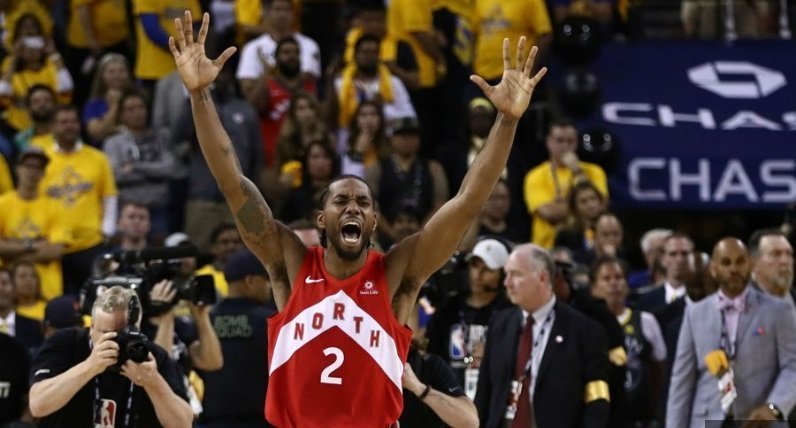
(141, 270)
(133, 345)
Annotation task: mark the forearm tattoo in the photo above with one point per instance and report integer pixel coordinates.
(252, 215)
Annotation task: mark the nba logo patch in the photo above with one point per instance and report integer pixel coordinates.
(106, 414)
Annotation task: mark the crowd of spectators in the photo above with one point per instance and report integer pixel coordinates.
(99, 156)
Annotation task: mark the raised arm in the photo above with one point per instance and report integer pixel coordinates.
(273, 243)
(426, 251)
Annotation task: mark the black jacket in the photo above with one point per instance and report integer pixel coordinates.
(567, 367)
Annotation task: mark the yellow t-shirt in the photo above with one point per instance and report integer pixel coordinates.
(250, 12)
(16, 113)
(80, 180)
(40, 218)
(6, 184)
(405, 17)
(108, 19)
(153, 61)
(34, 311)
(45, 142)
(493, 20)
(218, 276)
(540, 189)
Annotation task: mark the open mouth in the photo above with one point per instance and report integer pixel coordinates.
(351, 232)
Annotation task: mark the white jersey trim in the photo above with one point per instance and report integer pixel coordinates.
(327, 314)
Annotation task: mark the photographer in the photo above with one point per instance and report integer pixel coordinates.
(180, 338)
(82, 378)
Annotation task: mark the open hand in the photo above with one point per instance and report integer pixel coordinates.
(513, 94)
(196, 69)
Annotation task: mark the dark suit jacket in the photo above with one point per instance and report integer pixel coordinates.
(566, 368)
(652, 300)
(29, 332)
(670, 318)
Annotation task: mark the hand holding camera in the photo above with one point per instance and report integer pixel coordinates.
(104, 353)
(142, 374)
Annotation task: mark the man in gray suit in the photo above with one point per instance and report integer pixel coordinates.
(758, 334)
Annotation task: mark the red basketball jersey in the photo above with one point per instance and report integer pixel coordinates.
(336, 353)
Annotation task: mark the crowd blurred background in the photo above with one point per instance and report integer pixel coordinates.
(99, 152)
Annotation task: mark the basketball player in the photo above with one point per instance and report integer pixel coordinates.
(336, 349)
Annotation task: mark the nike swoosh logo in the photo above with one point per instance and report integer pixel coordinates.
(451, 390)
(309, 280)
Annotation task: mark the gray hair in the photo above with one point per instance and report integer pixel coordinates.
(540, 258)
(114, 299)
(651, 235)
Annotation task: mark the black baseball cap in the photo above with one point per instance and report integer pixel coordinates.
(33, 151)
(63, 312)
(405, 125)
(242, 264)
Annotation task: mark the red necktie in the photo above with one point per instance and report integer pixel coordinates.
(524, 416)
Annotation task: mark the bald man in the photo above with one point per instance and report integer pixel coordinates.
(757, 332)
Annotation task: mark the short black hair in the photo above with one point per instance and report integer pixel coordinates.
(66, 108)
(561, 122)
(325, 192)
(605, 260)
(221, 228)
(285, 41)
(677, 235)
(124, 203)
(369, 6)
(757, 237)
(40, 87)
(366, 38)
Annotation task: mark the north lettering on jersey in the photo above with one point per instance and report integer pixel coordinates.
(335, 311)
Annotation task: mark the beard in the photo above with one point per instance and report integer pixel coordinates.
(368, 69)
(348, 255)
(41, 116)
(289, 69)
(782, 282)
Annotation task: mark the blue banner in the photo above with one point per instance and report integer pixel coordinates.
(701, 124)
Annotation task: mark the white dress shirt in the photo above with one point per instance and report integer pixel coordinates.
(541, 332)
(672, 293)
(10, 321)
(732, 314)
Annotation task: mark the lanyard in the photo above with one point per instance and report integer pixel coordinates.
(466, 336)
(97, 401)
(127, 410)
(516, 384)
(537, 343)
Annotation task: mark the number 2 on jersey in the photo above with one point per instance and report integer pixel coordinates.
(326, 374)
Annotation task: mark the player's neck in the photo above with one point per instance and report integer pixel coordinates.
(342, 268)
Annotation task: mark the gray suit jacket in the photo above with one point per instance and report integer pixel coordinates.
(764, 366)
